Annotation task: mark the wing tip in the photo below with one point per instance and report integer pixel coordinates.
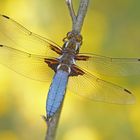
(6, 16)
(126, 90)
(132, 99)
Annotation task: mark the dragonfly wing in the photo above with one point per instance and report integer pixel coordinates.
(29, 65)
(93, 88)
(15, 35)
(109, 66)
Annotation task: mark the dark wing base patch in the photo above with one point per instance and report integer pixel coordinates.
(75, 71)
(52, 63)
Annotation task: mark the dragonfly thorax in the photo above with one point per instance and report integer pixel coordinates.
(66, 61)
(64, 67)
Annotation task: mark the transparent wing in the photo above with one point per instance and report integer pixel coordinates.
(109, 66)
(31, 66)
(15, 35)
(93, 88)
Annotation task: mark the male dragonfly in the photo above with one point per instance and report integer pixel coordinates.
(39, 58)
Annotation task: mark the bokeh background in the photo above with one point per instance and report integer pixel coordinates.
(111, 28)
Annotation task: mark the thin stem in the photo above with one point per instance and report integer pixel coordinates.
(77, 22)
(81, 15)
(71, 11)
(52, 125)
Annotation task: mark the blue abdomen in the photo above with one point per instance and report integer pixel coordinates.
(56, 92)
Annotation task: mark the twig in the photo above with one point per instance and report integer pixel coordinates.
(77, 20)
(52, 125)
(71, 10)
(77, 23)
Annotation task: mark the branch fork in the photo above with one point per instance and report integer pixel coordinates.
(77, 19)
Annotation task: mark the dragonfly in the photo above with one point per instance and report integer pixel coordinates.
(41, 59)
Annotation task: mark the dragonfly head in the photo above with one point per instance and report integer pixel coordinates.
(72, 41)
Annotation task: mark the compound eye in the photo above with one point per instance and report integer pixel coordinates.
(79, 38)
(69, 35)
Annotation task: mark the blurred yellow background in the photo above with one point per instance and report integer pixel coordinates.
(111, 28)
